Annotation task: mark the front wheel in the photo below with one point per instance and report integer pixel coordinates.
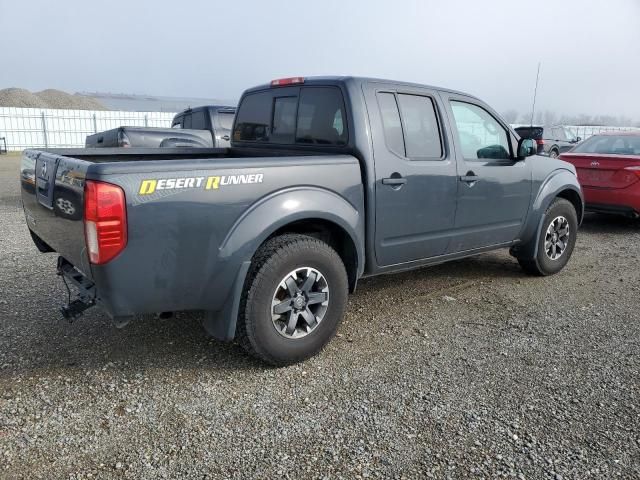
(556, 241)
(295, 296)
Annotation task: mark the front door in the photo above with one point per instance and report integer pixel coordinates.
(494, 191)
(416, 186)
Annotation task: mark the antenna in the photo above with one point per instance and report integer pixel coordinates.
(535, 93)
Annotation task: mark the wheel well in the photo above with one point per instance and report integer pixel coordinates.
(575, 200)
(333, 235)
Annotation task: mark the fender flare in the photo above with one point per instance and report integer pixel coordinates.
(557, 182)
(260, 221)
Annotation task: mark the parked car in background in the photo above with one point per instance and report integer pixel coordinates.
(327, 180)
(206, 126)
(608, 166)
(551, 140)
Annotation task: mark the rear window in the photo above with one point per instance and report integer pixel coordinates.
(300, 115)
(530, 132)
(610, 145)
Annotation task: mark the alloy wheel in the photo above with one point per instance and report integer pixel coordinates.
(300, 302)
(556, 238)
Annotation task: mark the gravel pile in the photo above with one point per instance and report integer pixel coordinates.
(19, 97)
(465, 370)
(50, 98)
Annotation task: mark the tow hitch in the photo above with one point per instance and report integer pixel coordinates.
(86, 296)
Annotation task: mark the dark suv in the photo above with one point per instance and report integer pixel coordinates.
(552, 141)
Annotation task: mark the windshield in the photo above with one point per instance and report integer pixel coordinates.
(610, 145)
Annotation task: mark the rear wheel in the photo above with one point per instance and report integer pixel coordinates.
(295, 296)
(557, 239)
(553, 153)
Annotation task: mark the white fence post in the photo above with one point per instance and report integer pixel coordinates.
(44, 130)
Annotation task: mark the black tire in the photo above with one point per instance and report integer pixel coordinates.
(553, 153)
(543, 264)
(255, 330)
(67, 205)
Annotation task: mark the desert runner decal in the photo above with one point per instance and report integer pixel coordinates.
(149, 186)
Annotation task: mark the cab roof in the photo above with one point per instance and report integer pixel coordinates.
(342, 79)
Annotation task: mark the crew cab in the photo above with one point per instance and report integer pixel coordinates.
(202, 127)
(327, 180)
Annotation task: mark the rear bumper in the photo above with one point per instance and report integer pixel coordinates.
(622, 201)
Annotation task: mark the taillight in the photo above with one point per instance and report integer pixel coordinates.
(539, 141)
(105, 221)
(635, 169)
(287, 81)
(123, 139)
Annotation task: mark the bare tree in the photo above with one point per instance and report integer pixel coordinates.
(510, 116)
(550, 117)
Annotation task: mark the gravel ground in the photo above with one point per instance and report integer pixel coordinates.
(466, 370)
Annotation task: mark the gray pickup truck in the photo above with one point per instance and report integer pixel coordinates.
(200, 127)
(328, 180)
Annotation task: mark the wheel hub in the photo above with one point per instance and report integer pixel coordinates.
(299, 302)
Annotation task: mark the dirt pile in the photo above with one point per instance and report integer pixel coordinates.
(50, 98)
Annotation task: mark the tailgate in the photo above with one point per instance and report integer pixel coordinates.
(604, 171)
(52, 189)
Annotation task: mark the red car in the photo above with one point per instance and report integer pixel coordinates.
(608, 166)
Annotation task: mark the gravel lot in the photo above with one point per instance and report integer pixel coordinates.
(466, 370)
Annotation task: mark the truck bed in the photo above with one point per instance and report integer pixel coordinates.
(136, 154)
(182, 209)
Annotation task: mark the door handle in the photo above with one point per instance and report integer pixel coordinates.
(394, 181)
(225, 137)
(470, 177)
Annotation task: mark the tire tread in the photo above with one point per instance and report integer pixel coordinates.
(269, 254)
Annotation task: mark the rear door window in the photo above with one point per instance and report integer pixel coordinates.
(391, 122)
(226, 120)
(420, 126)
(186, 121)
(558, 133)
(198, 120)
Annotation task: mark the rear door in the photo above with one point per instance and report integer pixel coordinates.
(222, 120)
(494, 191)
(415, 172)
(561, 139)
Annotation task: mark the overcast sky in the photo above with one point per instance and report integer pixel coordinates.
(589, 49)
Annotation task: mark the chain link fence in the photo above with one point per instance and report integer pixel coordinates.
(50, 128)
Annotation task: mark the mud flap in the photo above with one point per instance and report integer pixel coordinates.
(222, 324)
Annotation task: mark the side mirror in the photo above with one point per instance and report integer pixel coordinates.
(578, 139)
(526, 148)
